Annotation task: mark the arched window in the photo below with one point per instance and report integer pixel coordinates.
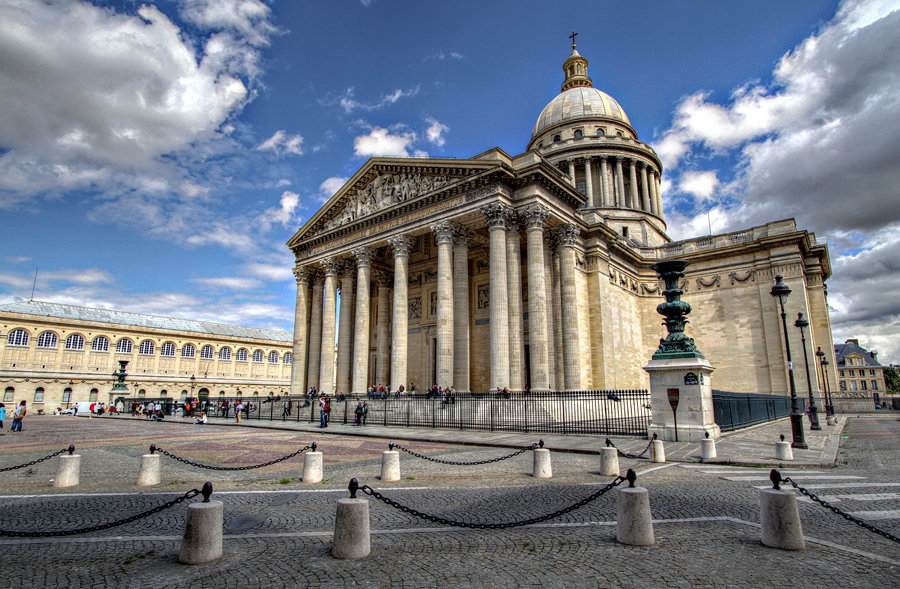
(557, 139)
(601, 132)
(225, 354)
(242, 355)
(619, 133)
(207, 353)
(100, 344)
(187, 351)
(18, 337)
(39, 395)
(142, 393)
(146, 348)
(163, 393)
(47, 340)
(74, 342)
(273, 357)
(167, 349)
(123, 346)
(578, 134)
(9, 394)
(67, 396)
(288, 358)
(239, 394)
(93, 396)
(221, 393)
(258, 356)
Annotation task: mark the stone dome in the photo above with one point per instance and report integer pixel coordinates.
(581, 102)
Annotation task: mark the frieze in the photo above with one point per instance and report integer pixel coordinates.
(489, 190)
(750, 275)
(415, 279)
(430, 275)
(415, 308)
(714, 281)
(649, 289)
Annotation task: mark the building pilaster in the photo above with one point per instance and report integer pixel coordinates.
(557, 312)
(604, 182)
(568, 236)
(443, 233)
(620, 184)
(329, 318)
(383, 329)
(345, 331)
(514, 288)
(633, 189)
(461, 381)
(315, 331)
(651, 181)
(645, 193)
(589, 184)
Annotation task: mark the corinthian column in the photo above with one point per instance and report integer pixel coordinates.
(345, 331)
(604, 182)
(497, 216)
(443, 233)
(514, 288)
(329, 319)
(654, 208)
(589, 184)
(633, 189)
(645, 192)
(301, 329)
(555, 367)
(571, 344)
(399, 344)
(557, 313)
(620, 183)
(572, 172)
(534, 217)
(461, 309)
(383, 328)
(363, 257)
(315, 331)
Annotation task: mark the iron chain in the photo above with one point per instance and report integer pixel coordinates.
(33, 462)
(417, 455)
(841, 513)
(440, 520)
(127, 520)
(212, 467)
(632, 456)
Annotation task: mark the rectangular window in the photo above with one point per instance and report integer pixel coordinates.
(853, 386)
(842, 373)
(871, 373)
(852, 373)
(843, 385)
(864, 385)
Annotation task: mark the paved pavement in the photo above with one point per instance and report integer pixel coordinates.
(278, 533)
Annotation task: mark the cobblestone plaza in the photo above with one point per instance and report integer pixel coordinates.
(278, 531)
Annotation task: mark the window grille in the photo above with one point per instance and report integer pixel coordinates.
(74, 342)
(100, 344)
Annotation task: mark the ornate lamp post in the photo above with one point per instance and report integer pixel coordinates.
(813, 411)
(676, 344)
(823, 362)
(781, 292)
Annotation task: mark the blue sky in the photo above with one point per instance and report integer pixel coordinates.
(156, 156)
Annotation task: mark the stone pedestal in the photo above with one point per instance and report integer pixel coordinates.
(68, 471)
(390, 465)
(657, 451)
(708, 449)
(695, 416)
(780, 520)
(783, 451)
(634, 525)
(542, 468)
(149, 474)
(351, 529)
(312, 467)
(202, 539)
(609, 462)
(830, 420)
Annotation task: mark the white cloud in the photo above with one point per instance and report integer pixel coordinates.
(230, 283)
(281, 143)
(16, 259)
(349, 103)
(381, 142)
(330, 186)
(273, 272)
(701, 185)
(434, 133)
(284, 213)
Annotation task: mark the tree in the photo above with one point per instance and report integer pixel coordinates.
(891, 379)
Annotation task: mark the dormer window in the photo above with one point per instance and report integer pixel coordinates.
(557, 139)
(579, 134)
(601, 132)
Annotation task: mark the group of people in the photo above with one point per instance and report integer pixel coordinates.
(149, 410)
(18, 414)
(383, 392)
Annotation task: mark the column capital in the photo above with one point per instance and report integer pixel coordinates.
(568, 235)
(401, 244)
(302, 274)
(551, 237)
(318, 277)
(331, 265)
(632, 161)
(534, 216)
(620, 158)
(602, 157)
(384, 279)
(349, 268)
(363, 255)
(462, 236)
(497, 214)
(587, 159)
(443, 231)
(642, 164)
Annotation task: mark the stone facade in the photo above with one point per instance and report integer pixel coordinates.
(552, 288)
(53, 355)
(859, 372)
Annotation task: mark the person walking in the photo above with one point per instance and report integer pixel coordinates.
(322, 404)
(358, 412)
(2, 414)
(365, 412)
(18, 415)
(288, 405)
(238, 408)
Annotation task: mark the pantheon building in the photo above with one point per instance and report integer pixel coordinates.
(532, 271)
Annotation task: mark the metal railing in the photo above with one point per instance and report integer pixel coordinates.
(738, 410)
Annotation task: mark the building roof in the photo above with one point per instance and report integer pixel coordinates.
(841, 351)
(578, 104)
(40, 308)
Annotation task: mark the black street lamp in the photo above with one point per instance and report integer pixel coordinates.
(813, 411)
(781, 292)
(823, 362)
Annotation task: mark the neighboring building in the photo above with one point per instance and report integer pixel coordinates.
(533, 271)
(52, 355)
(859, 373)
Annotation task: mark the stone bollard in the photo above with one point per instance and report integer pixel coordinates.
(783, 450)
(657, 451)
(149, 473)
(708, 449)
(609, 462)
(541, 468)
(68, 471)
(390, 464)
(831, 420)
(351, 527)
(779, 517)
(312, 466)
(202, 539)
(634, 524)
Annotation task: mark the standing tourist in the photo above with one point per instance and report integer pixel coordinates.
(358, 412)
(322, 405)
(238, 407)
(18, 414)
(2, 414)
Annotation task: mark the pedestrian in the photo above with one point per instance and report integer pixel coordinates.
(287, 409)
(2, 414)
(322, 405)
(358, 412)
(365, 413)
(238, 408)
(327, 410)
(18, 415)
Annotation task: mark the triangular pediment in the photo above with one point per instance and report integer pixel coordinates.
(383, 184)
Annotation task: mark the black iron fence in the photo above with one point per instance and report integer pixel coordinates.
(737, 410)
(623, 413)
